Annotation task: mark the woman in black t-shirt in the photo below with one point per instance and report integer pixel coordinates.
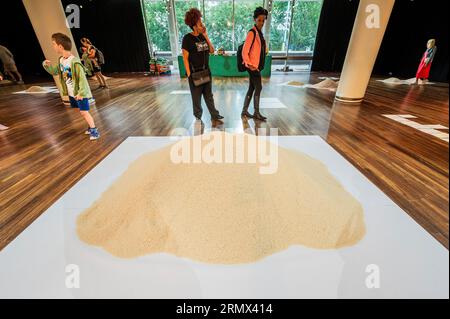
(196, 49)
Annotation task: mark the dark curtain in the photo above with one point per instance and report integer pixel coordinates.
(412, 23)
(333, 34)
(117, 28)
(17, 34)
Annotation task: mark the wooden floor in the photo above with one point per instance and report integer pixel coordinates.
(44, 153)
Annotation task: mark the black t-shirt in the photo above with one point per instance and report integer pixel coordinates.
(198, 50)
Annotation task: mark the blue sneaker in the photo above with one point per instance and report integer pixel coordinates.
(94, 134)
(88, 131)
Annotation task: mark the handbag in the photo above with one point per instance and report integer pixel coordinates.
(201, 77)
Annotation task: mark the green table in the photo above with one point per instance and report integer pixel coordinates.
(227, 66)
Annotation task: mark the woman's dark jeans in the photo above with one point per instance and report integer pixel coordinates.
(255, 85)
(197, 92)
(254, 90)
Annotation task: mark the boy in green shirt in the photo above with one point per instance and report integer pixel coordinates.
(73, 79)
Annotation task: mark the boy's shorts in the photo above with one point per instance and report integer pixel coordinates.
(83, 104)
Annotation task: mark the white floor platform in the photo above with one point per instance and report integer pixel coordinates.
(411, 263)
(180, 92)
(271, 103)
(265, 103)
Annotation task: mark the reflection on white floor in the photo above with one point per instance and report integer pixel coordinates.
(271, 103)
(431, 129)
(180, 92)
(396, 259)
(265, 102)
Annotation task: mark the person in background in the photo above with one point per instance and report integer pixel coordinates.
(94, 56)
(196, 48)
(72, 79)
(9, 65)
(254, 55)
(423, 72)
(86, 61)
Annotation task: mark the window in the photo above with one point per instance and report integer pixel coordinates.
(304, 25)
(157, 23)
(219, 21)
(243, 17)
(228, 22)
(279, 29)
(181, 7)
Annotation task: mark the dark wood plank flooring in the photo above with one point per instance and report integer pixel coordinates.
(44, 153)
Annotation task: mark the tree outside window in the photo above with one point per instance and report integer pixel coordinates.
(228, 31)
(157, 23)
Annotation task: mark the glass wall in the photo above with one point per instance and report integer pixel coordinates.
(243, 19)
(228, 22)
(219, 22)
(306, 16)
(279, 28)
(157, 23)
(181, 7)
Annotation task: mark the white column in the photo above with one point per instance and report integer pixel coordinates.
(368, 31)
(173, 32)
(268, 4)
(48, 17)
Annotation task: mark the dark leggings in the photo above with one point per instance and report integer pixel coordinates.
(255, 84)
(14, 75)
(197, 92)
